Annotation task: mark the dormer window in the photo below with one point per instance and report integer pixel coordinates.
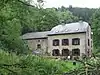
(56, 42)
(76, 41)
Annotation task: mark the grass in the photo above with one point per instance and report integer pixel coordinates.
(65, 66)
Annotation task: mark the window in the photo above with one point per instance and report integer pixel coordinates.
(76, 52)
(56, 42)
(88, 42)
(65, 42)
(38, 40)
(65, 52)
(88, 52)
(91, 43)
(55, 52)
(76, 41)
(38, 46)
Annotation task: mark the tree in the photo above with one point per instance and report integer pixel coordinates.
(96, 29)
(67, 16)
(10, 25)
(84, 13)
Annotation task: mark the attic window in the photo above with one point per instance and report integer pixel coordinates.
(66, 30)
(77, 29)
(57, 31)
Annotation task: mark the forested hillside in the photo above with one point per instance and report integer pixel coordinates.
(82, 13)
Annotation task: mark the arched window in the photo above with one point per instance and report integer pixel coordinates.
(65, 42)
(56, 42)
(55, 52)
(76, 52)
(75, 41)
(65, 52)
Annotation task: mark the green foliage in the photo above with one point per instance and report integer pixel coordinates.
(81, 13)
(10, 27)
(45, 19)
(12, 64)
(91, 66)
(67, 17)
(96, 29)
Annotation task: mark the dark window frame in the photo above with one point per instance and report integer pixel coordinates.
(56, 42)
(65, 42)
(38, 46)
(88, 42)
(55, 52)
(76, 52)
(76, 41)
(65, 52)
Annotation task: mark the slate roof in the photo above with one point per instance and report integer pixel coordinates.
(35, 35)
(70, 28)
(76, 27)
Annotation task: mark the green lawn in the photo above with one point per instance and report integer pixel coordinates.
(65, 66)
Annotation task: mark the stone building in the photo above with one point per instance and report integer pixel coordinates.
(63, 40)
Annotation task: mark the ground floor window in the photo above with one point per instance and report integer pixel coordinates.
(65, 52)
(76, 52)
(55, 52)
(88, 52)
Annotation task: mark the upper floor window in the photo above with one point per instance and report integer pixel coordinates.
(56, 42)
(38, 46)
(76, 41)
(65, 42)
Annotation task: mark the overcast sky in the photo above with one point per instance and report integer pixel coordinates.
(74, 3)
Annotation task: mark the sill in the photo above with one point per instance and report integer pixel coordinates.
(65, 45)
(75, 44)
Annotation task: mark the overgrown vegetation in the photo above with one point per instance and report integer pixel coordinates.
(11, 64)
(91, 66)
